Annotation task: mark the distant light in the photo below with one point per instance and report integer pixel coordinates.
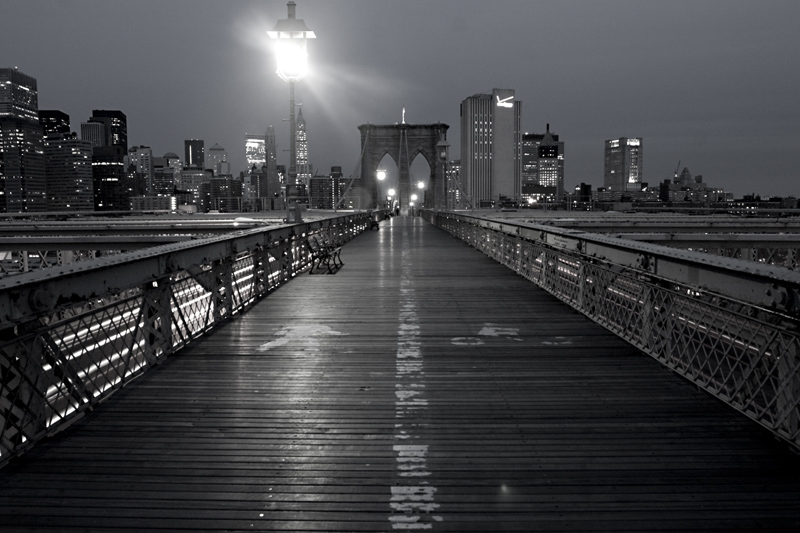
(420, 184)
(381, 174)
(391, 192)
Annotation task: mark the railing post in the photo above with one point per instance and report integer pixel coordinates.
(788, 408)
(261, 271)
(23, 388)
(222, 291)
(157, 314)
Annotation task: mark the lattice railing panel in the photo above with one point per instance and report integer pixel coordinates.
(56, 365)
(747, 355)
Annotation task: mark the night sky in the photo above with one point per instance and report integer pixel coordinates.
(713, 84)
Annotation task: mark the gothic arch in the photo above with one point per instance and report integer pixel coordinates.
(403, 143)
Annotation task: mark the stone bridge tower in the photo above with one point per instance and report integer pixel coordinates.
(403, 142)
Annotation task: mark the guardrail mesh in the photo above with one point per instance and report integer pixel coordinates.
(57, 365)
(744, 354)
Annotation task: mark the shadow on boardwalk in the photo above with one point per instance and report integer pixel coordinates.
(423, 386)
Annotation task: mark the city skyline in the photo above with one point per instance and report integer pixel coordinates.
(705, 83)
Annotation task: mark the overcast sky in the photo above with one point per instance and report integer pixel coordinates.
(713, 84)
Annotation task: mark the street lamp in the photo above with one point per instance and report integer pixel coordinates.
(381, 174)
(442, 149)
(291, 35)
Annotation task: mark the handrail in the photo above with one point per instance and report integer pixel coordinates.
(72, 335)
(730, 326)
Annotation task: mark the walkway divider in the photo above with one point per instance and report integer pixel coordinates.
(732, 327)
(70, 336)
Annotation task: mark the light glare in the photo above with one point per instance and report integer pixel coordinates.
(292, 60)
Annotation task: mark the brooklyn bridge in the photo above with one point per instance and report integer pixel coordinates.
(457, 371)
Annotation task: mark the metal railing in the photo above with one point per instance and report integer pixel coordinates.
(70, 336)
(729, 326)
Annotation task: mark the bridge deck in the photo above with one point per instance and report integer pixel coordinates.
(421, 387)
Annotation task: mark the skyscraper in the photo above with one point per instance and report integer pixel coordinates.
(623, 164)
(94, 133)
(68, 168)
(19, 97)
(112, 188)
(491, 147)
(140, 164)
(194, 157)
(303, 165)
(255, 150)
(22, 173)
(54, 122)
(217, 160)
(116, 126)
(542, 166)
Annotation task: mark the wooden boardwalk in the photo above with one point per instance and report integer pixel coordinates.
(421, 387)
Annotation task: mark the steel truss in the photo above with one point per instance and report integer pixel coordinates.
(70, 339)
(729, 327)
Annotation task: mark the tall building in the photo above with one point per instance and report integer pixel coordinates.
(272, 175)
(94, 133)
(224, 194)
(326, 191)
(542, 167)
(106, 128)
(164, 178)
(456, 199)
(191, 181)
(623, 164)
(140, 165)
(111, 184)
(303, 165)
(19, 97)
(491, 147)
(217, 160)
(22, 172)
(173, 161)
(194, 157)
(54, 122)
(116, 123)
(68, 169)
(255, 150)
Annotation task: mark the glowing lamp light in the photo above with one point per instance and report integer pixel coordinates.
(381, 174)
(414, 197)
(420, 185)
(392, 192)
(291, 34)
(292, 60)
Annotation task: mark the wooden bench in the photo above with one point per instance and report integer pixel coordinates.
(324, 252)
(375, 220)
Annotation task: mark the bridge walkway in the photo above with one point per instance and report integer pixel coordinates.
(423, 386)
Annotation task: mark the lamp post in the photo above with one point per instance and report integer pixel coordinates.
(421, 189)
(291, 34)
(442, 150)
